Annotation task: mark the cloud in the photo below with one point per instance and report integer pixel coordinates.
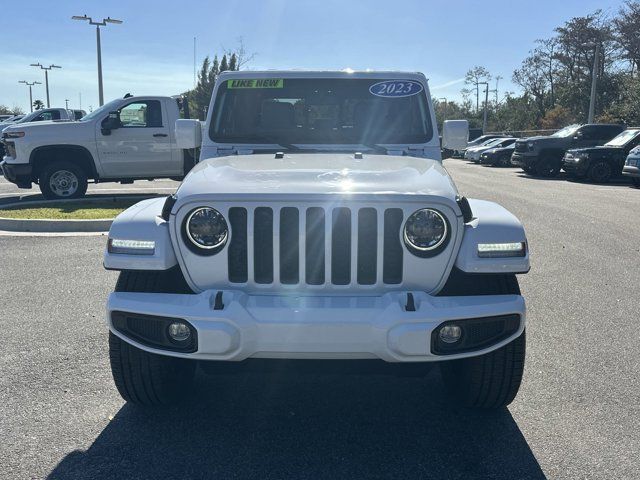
(448, 84)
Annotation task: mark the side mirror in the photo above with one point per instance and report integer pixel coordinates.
(578, 136)
(455, 134)
(188, 134)
(112, 122)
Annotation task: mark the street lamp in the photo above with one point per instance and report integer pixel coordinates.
(30, 84)
(46, 77)
(103, 23)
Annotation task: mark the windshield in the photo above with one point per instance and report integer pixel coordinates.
(567, 131)
(622, 139)
(105, 109)
(28, 117)
(321, 111)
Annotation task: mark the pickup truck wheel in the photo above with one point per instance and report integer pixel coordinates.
(600, 172)
(528, 170)
(491, 380)
(635, 181)
(61, 180)
(548, 167)
(144, 378)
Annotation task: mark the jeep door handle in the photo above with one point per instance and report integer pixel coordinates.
(160, 135)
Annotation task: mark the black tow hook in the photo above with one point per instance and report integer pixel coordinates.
(217, 303)
(411, 303)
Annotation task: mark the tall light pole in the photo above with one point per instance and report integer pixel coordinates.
(486, 104)
(30, 84)
(46, 77)
(594, 81)
(103, 23)
(66, 103)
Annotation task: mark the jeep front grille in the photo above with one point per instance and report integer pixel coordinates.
(315, 245)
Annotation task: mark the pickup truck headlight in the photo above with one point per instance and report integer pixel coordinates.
(206, 230)
(13, 134)
(426, 232)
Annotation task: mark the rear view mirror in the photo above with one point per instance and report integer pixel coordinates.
(188, 134)
(112, 122)
(455, 134)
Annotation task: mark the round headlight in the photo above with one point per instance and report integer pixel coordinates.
(206, 228)
(425, 230)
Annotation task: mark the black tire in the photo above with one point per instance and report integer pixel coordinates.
(144, 378)
(635, 181)
(61, 180)
(528, 170)
(600, 172)
(491, 380)
(548, 167)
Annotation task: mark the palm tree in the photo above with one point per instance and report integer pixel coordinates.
(38, 104)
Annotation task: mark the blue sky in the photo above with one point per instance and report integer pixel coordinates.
(152, 51)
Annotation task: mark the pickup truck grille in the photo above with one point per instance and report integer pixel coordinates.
(315, 245)
(10, 149)
(521, 147)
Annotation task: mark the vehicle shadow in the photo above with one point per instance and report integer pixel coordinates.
(313, 425)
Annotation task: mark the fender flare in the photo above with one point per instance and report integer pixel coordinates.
(93, 172)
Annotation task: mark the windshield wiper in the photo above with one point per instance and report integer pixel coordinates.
(376, 148)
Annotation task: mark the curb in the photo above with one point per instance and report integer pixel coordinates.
(58, 226)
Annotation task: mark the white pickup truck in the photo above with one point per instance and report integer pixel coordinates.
(127, 139)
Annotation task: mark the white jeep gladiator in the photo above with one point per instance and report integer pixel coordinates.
(127, 139)
(318, 224)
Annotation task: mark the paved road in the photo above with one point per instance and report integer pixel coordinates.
(577, 415)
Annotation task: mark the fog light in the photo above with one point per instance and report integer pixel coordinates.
(450, 333)
(179, 332)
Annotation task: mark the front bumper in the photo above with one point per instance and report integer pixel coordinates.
(575, 166)
(524, 160)
(18, 173)
(632, 170)
(299, 327)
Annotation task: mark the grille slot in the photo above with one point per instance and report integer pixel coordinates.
(263, 245)
(315, 246)
(238, 246)
(392, 266)
(289, 246)
(367, 246)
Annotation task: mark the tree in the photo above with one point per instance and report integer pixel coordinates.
(38, 104)
(626, 28)
(200, 96)
(473, 77)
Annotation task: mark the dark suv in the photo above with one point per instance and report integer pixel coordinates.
(599, 164)
(543, 155)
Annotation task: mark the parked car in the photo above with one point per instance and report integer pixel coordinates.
(599, 164)
(474, 153)
(543, 155)
(299, 236)
(498, 156)
(127, 139)
(632, 167)
(475, 141)
(5, 117)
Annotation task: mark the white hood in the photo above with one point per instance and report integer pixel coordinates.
(318, 173)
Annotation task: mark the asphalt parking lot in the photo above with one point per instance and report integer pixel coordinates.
(577, 414)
